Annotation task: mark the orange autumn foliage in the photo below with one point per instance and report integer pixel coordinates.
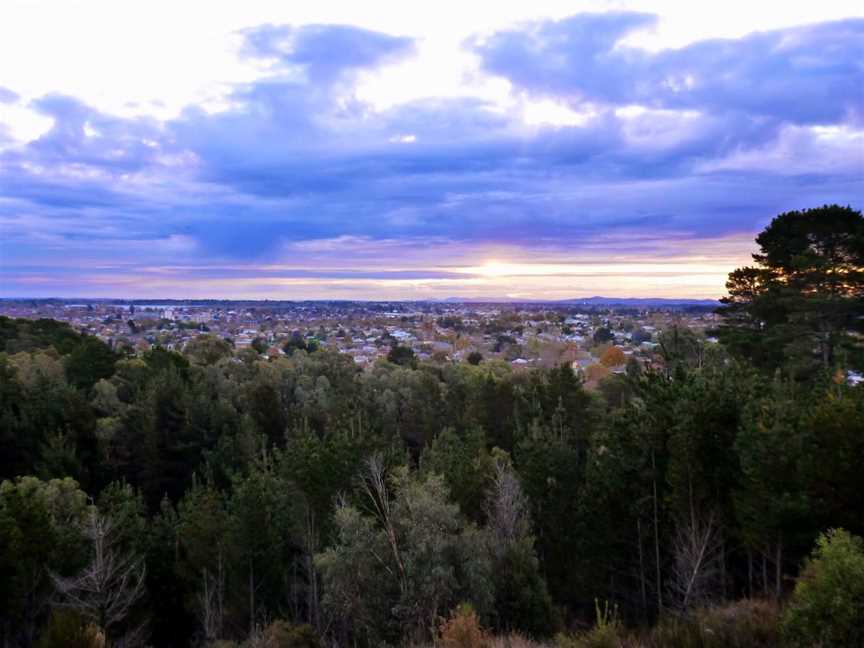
(613, 357)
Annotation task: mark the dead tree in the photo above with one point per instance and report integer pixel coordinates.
(507, 509)
(697, 556)
(375, 486)
(107, 589)
(211, 601)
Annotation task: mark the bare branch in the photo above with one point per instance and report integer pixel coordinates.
(109, 586)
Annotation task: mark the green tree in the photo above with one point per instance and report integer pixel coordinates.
(681, 349)
(207, 349)
(602, 335)
(160, 452)
(834, 421)
(172, 621)
(773, 504)
(465, 464)
(402, 356)
(265, 528)
(805, 295)
(90, 361)
(161, 359)
(827, 608)
(393, 573)
(206, 554)
(41, 531)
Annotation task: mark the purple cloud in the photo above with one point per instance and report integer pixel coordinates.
(810, 74)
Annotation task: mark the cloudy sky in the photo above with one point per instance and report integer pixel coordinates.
(412, 150)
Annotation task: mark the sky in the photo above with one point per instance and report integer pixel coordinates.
(408, 150)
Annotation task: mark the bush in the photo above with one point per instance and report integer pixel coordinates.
(67, 629)
(281, 634)
(742, 624)
(463, 630)
(827, 607)
(608, 632)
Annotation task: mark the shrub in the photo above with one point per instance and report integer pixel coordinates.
(608, 632)
(742, 624)
(281, 634)
(463, 630)
(827, 607)
(67, 629)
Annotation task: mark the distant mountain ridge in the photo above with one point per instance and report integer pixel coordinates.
(649, 302)
(640, 301)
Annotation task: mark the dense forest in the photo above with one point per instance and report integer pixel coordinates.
(217, 498)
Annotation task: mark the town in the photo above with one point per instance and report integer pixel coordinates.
(595, 338)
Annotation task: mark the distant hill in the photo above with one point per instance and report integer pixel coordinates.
(633, 302)
(639, 301)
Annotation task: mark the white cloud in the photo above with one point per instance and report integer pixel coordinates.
(131, 57)
(22, 124)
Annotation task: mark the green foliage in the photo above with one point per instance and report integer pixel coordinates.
(172, 621)
(602, 335)
(259, 344)
(91, 360)
(681, 349)
(17, 335)
(827, 608)
(160, 359)
(264, 518)
(522, 600)
(125, 507)
(834, 422)
(40, 532)
(401, 568)
(465, 464)
(402, 356)
(298, 343)
(322, 468)
(207, 349)
(772, 500)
